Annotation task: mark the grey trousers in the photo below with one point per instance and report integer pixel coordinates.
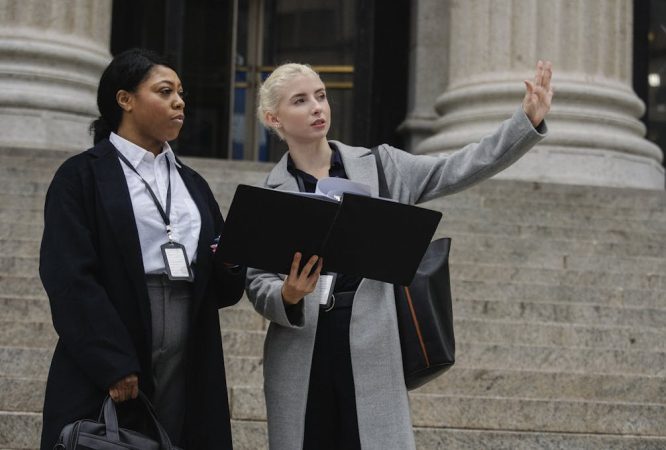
(170, 311)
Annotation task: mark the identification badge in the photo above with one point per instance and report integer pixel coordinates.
(324, 289)
(176, 263)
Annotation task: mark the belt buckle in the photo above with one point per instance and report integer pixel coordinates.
(327, 308)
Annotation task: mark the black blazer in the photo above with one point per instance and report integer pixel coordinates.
(92, 269)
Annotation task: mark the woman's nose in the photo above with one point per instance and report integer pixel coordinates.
(178, 103)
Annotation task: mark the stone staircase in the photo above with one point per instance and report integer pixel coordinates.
(559, 299)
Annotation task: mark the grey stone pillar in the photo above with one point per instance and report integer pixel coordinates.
(427, 67)
(596, 137)
(52, 53)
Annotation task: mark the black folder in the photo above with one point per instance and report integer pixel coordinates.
(363, 236)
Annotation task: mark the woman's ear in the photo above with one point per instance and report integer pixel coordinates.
(124, 100)
(272, 120)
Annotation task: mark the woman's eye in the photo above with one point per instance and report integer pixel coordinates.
(182, 94)
(165, 91)
(298, 100)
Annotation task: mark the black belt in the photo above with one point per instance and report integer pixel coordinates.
(340, 300)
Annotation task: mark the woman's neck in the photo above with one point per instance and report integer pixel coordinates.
(314, 158)
(151, 145)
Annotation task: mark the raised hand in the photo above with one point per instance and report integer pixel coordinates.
(538, 93)
(298, 285)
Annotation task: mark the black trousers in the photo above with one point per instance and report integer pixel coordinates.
(330, 418)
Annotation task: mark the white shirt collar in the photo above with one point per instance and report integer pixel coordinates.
(136, 154)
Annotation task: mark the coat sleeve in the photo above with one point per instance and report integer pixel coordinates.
(264, 290)
(89, 326)
(227, 283)
(427, 177)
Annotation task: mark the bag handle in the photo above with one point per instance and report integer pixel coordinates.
(383, 185)
(109, 416)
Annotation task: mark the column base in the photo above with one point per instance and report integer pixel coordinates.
(42, 129)
(583, 166)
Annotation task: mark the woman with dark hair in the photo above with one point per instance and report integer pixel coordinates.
(126, 261)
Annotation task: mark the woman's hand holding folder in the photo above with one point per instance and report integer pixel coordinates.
(299, 284)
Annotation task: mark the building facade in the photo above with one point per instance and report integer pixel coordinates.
(428, 76)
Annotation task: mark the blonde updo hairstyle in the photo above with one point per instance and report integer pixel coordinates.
(270, 92)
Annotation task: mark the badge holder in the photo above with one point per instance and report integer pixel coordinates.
(175, 260)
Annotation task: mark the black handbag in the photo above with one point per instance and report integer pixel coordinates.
(104, 434)
(424, 310)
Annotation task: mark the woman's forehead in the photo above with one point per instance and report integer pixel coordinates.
(302, 83)
(160, 73)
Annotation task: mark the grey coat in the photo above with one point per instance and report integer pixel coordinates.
(381, 397)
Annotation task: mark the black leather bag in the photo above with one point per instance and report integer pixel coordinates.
(424, 310)
(104, 434)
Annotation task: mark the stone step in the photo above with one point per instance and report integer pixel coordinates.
(510, 332)
(216, 170)
(248, 371)
(466, 248)
(579, 262)
(526, 217)
(21, 431)
(527, 247)
(37, 309)
(30, 362)
(547, 385)
(594, 196)
(565, 313)
(534, 292)
(29, 210)
(243, 317)
(19, 265)
(25, 309)
(27, 393)
(468, 439)
(501, 273)
(497, 207)
(249, 435)
(650, 278)
(440, 411)
(19, 247)
(24, 362)
(13, 202)
(560, 359)
(511, 356)
(15, 226)
(249, 338)
(621, 233)
(22, 394)
(21, 285)
(452, 411)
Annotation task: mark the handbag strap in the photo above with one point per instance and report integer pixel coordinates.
(381, 176)
(110, 418)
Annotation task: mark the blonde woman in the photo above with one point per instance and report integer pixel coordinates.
(333, 378)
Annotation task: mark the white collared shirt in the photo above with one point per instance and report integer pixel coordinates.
(184, 217)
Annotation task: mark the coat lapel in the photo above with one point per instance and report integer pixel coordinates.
(359, 164)
(279, 178)
(206, 235)
(116, 202)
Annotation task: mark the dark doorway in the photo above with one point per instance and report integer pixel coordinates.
(197, 36)
(223, 49)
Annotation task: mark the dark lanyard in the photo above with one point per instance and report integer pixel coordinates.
(164, 214)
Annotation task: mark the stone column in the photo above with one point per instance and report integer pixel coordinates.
(427, 67)
(595, 135)
(52, 53)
